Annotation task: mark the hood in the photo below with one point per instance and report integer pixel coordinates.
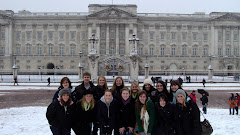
(104, 101)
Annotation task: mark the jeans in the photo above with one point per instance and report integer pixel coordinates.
(205, 109)
(58, 131)
(230, 110)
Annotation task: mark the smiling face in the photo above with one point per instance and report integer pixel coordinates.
(174, 88)
(65, 97)
(162, 102)
(134, 88)
(86, 79)
(108, 96)
(142, 98)
(65, 84)
(147, 87)
(180, 98)
(88, 98)
(119, 82)
(125, 94)
(159, 87)
(101, 81)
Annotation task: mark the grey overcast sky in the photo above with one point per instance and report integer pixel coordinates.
(144, 6)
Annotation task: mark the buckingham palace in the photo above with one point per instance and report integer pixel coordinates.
(117, 40)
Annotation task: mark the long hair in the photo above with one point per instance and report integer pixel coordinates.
(84, 100)
(139, 105)
(105, 87)
(114, 84)
(184, 101)
(65, 79)
(175, 82)
(134, 83)
(164, 87)
(63, 103)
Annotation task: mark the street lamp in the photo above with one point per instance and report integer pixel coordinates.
(92, 40)
(134, 41)
(1, 74)
(80, 66)
(40, 73)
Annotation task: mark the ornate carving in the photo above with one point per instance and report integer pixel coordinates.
(134, 58)
(228, 17)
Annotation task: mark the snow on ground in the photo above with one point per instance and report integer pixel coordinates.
(32, 120)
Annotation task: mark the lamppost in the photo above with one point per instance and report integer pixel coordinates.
(134, 58)
(92, 40)
(210, 69)
(15, 67)
(183, 73)
(134, 41)
(146, 68)
(80, 66)
(40, 72)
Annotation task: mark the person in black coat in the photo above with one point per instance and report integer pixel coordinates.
(204, 100)
(187, 116)
(65, 83)
(161, 88)
(148, 86)
(127, 118)
(77, 94)
(59, 114)
(174, 86)
(100, 88)
(164, 117)
(116, 88)
(84, 114)
(107, 114)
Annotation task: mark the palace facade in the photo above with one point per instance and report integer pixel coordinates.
(168, 43)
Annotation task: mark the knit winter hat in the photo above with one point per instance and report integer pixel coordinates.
(148, 81)
(180, 91)
(64, 91)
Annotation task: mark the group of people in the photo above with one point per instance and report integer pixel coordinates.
(122, 111)
(234, 102)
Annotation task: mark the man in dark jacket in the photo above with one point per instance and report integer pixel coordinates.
(77, 94)
(204, 100)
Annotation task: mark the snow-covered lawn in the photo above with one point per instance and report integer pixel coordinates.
(32, 120)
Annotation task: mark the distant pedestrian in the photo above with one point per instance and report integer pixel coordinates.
(203, 82)
(166, 81)
(232, 104)
(180, 80)
(204, 100)
(49, 81)
(238, 103)
(15, 80)
(193, 96)
(189, 79)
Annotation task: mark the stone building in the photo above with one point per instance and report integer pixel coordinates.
(169, 43)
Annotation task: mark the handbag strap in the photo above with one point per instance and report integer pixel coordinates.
(202, 114)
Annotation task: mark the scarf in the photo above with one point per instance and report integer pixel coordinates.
(126, 101)
(87, 106)
(134, 95)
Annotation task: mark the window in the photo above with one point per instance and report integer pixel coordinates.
(73, 35)
(73, 50)
(173, 35)
(18, 50)
(18, 34)
(235, 52)
(151, 35)
(205, 37)
(205, 52)
(162, 61)
(3, 50)
(235, 37)
(122, 50)
(122, 35)
(184, 35)
(112, 35)
(29, 35)
(28, 67)
(50, 35)
(72, 67)
(195, 67)
(228, 52)
(61, 50)
(72, 61)
(162, 36)
(140, 51)
(184, 51)
(173, 52)
(140, 36)
(194, 36)
(3, 35)
(39, 61)
(102, 35)
(50, 50)
(39, 50)
(194, 51)
(28, 50)
(219, 51)
(83, 35)
(219, 36)
(39, 35)
(151, 51)
(162, 51)
(112, 50)
(61, 35)
(227, 36)
(84, 50)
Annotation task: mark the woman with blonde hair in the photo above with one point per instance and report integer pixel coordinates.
(187, 115)
(100, 88)
(134, 90)
(84, 114)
